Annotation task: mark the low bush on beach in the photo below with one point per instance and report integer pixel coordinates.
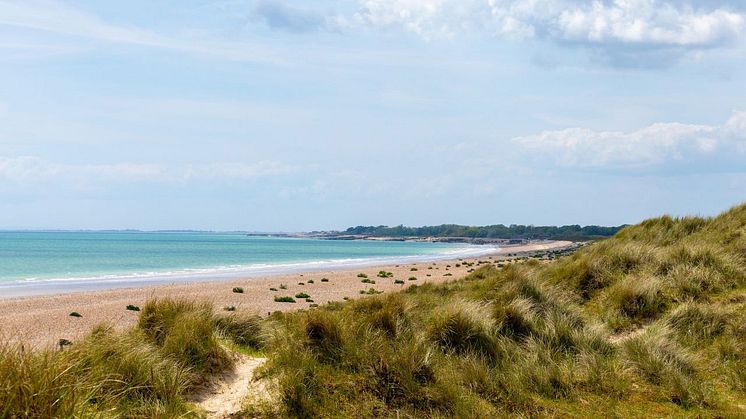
(362, 275)
(75, 314)
(412, 278)
(398, 281)
(238, 290)
(324, 279)
(131, 307)
(384, 274)
(302, 295)
(286, 299)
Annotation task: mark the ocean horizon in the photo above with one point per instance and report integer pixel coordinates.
(43, 262)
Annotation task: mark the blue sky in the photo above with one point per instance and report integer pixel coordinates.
(297, 115)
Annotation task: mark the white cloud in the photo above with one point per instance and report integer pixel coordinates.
(595, 22)
(656, 145)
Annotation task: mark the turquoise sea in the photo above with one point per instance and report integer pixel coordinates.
(35, 262)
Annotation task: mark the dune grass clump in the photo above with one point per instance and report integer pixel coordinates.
(636, 300)
(244, 329)
(663, 362)
(302, 295)
(693, 321)
(464, 328)
(184, 330)
(106, 374)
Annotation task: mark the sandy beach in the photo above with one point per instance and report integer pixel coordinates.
(40, 321)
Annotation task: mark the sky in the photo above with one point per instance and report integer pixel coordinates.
(311, 115)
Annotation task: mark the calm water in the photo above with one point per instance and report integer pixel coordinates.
(119, 257)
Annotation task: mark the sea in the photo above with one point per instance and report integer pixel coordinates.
(48, 262)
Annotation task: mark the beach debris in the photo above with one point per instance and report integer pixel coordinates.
(283, 287)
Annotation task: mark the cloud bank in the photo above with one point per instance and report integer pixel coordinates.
(672, 145)
(649, 22)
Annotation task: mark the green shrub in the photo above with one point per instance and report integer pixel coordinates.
(286, 299)
(302, 295)
(131, 307)
(324, 279)
(398, 281)
(75, 314)
(238, 290)
(412, 278)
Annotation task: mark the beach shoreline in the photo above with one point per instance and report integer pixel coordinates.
(41, 321)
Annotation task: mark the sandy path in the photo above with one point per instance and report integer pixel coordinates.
(224, 398)
(42, 321)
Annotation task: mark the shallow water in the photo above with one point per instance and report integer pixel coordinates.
(100, 258)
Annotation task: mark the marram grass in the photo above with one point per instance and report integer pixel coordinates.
(648, 323)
